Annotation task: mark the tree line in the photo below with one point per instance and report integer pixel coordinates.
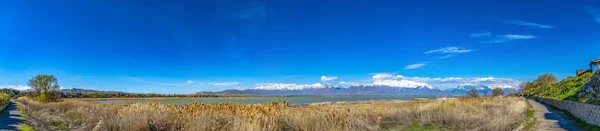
(45, 88)
(496, 91)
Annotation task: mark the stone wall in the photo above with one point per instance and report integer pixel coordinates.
(591, 89)
(586, 112)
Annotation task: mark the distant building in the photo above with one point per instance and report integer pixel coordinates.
(581, 71)
(594, 62)
(11, 91)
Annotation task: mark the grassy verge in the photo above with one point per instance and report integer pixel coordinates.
(25, 127)
(580, 123)
(531, 120)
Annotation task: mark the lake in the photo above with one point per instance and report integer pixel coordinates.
(261, 100)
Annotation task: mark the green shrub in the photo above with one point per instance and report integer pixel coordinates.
(4, 98)
(43, 97)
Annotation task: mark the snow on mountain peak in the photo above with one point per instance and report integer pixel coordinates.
(401, 83)
(280, 86)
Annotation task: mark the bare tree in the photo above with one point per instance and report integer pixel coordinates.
(497, 91)
(545, 80)
(473, 93)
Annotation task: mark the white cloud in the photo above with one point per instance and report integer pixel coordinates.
(400, 83)
(190, 82)
(451, 49)
(281, 86)
(442, 83)
(593, 11)
(16, 87)
(382, 76)
(447, 79)
(415, 66)
(348, 83)
(452, 82)
(528, 24)
(510, 37)
(225, 83)
(328, 78)
(482, 34)
(386, 79)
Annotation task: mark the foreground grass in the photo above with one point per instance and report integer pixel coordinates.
(502, 113)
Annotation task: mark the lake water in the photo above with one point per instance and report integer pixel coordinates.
(262, 100)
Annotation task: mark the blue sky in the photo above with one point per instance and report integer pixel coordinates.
(185, 46)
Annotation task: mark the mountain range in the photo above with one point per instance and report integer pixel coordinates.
(368, 89)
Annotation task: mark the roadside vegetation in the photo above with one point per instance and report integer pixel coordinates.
(483, 113)
(531, 120)
(4, 98)
(548, 86)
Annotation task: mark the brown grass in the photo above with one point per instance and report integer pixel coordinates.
(442, 114)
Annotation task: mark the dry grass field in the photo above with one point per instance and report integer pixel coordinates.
(501, 113)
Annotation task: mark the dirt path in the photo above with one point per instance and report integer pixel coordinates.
(10, 119)
(551, 120)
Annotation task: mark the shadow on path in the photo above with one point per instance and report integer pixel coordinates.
(550, 119)
(11, 119)
(561, 119)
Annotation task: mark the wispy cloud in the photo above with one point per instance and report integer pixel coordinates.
(510, 37)
(528, 24)
(254, 10)
(446, 56)
(518, 37)
(448, 51)
(415, 66)
(329, 78)
(225, 83)
(593, 11)
(482, 34)
(153, 83)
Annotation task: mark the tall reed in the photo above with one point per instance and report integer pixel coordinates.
(444, 114)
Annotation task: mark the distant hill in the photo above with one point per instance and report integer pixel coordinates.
(77, 90)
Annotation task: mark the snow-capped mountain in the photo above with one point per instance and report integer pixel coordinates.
(326, 89)
(276, 86)
(466, 88)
